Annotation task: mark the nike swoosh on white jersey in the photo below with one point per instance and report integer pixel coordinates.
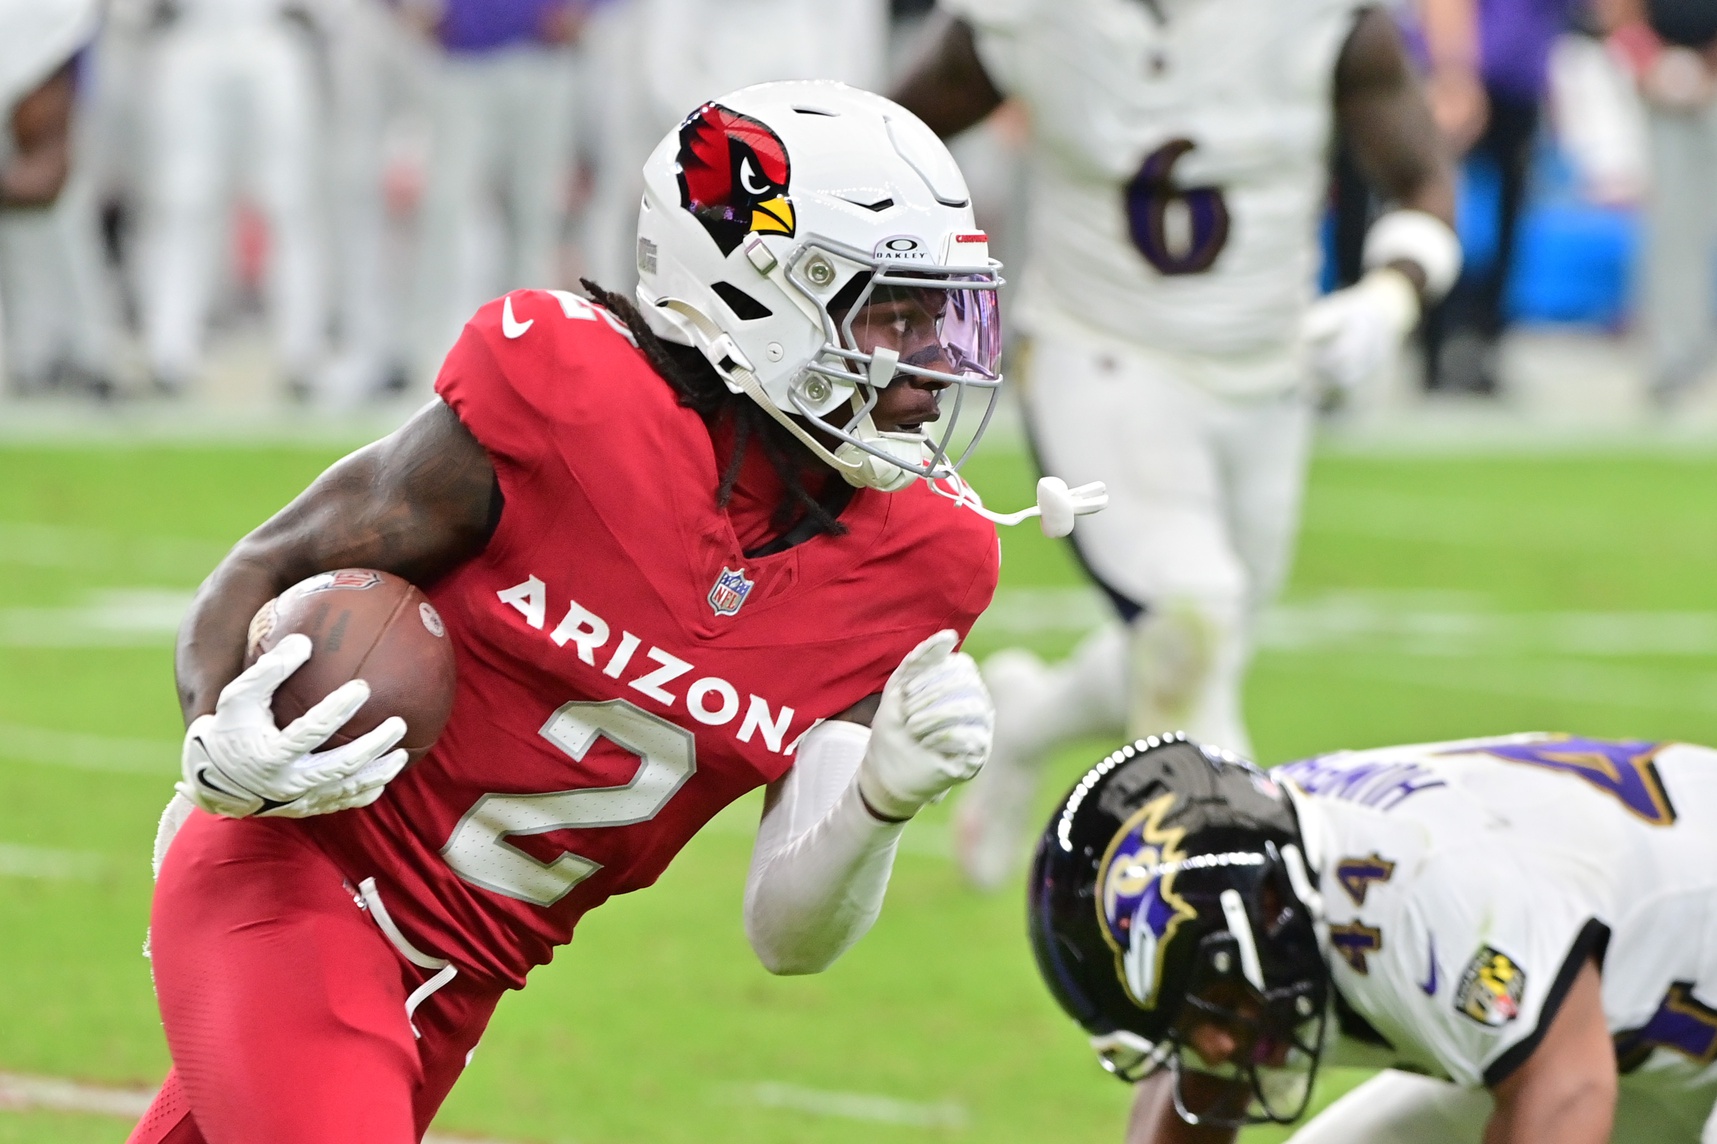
(510, 325)
(1429, 985)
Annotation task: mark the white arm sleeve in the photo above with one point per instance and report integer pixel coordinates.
(822, 860)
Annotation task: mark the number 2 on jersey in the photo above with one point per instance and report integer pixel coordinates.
(1178, 231)
(479, 852)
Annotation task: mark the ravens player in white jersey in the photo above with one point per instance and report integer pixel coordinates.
(1178, 171)
(1522, 929)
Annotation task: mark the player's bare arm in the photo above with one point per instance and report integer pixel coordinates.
(1382, 112)
(415, 503)
(1412, 254)
(41, 135)
(947, 86)
(1565, 1092)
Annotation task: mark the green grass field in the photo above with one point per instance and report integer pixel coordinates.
(1432, 598)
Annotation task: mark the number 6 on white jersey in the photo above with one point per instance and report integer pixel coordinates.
(478, 850)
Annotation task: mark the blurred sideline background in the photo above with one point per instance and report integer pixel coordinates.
(1473, 562)
(279, 215)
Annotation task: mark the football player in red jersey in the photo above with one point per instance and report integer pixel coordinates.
(683, 548)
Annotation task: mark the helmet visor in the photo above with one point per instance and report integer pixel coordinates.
(946, 329)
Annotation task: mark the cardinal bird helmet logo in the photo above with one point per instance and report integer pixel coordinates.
(733, 174)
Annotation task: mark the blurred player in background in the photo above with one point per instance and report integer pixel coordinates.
(38, 40)
(1179, 166)
(682, 553)
(233, 95)
(1519, 923)
(1671, 48)
(503, 112)
(378, 74)
(655, 58)
(1489, 69)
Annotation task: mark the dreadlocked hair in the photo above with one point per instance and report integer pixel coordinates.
(700, 388)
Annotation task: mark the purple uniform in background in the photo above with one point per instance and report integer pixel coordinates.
(1514, 43)
(484, 25)
(1514, 40)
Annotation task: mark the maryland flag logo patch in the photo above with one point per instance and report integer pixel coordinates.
(1490, 989)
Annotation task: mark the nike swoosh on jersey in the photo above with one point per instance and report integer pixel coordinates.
(1429, 985)
(510, 325)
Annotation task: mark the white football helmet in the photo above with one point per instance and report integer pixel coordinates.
(772, 216)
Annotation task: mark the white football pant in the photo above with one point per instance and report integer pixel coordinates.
(504, 120)
(55, 312)
(376, 71)
(1401, 1108)
(1681, 232)
(1204, 499)
(231, 94)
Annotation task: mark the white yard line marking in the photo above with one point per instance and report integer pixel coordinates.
(1430, 624)
(58, 546)
(1029, 611)
(1596, 685)
(1378, 622)
(88, 752)
(20, 1093)
(50, 865)
(852, 1106)
(110, 617)
(51, 1094)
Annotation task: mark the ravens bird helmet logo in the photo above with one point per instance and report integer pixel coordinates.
(733, 174)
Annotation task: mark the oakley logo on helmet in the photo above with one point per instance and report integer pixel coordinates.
(900, 248)
(733, 175)
(1137, 906)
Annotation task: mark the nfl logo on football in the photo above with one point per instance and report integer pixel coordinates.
(729, 593)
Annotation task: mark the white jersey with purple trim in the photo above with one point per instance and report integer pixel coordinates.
(1179, 164)
(1465, 882)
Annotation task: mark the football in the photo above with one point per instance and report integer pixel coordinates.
(364, 625)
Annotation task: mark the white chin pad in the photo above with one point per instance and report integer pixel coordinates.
(1055, 506)
(866, 470)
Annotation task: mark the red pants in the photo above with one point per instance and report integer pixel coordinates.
(284, 1003)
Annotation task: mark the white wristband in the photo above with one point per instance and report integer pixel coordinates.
(1420, 238)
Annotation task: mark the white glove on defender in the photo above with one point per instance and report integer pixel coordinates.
(932, 729)
(1352, 334)
(238, 763)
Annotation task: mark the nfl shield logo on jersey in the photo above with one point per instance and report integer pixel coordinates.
(730, 590)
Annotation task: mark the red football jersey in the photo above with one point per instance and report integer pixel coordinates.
(625, 671)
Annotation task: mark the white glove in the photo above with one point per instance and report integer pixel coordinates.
(931, 731)
(238, 763)
(1352, 334)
